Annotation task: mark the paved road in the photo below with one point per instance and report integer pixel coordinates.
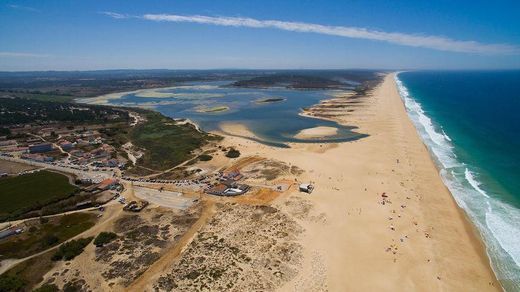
(96, 176)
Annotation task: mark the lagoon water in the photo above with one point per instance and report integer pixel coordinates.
(274, 123)
(470, 121)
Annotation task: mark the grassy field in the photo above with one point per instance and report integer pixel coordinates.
(27, 274)
(31, 191)
(167, 144)
(40, 237)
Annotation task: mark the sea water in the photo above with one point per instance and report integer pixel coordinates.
(470, 122)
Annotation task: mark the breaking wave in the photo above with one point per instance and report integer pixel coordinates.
(496, 221)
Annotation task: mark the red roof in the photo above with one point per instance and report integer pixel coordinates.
(106, 183)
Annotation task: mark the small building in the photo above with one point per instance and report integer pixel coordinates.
(236, 190)
(8, 143)
(134, 206)
(306, 188)
(228, 190)
(37, 157)
(10, 232)
(217, 189)
(112, 163)
(232, 175)
(107, 184)
(40, 148)
(66, 145)
(84, 204)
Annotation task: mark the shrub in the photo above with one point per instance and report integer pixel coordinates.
(233, 153)
(50, 240)
(11, 283)
(71, 249)
(205, 157)
(104, 238)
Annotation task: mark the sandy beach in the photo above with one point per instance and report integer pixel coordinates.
(389, 223)
(317, 132)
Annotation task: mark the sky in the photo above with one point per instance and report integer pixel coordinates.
(267, 34)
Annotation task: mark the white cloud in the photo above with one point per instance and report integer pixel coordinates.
(26, 8)
(115, 15)
(22, 55)
(413, 40)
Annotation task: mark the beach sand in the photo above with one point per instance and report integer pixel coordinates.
(390, 223)
(316, 132)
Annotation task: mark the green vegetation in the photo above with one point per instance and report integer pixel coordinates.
(38, 95)
(290, 81)
(233, 153)
(205, 157)
(104, 238)
(71, 249)
(21, 194)
(11, 283)
(89, 83)
(45, 235)
(269, 100)
(21, 110)
(214, 109)
(5, 131)
(315, 79)
(27, 274)
(166, 143)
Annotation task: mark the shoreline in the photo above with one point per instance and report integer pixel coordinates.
(415, 238)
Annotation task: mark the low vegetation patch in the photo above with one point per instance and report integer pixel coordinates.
(48, 233)
(205, 157)
(104, 238)
(27, 274)
(233, 153)
(166, 143)
(11, 283)
(21, 194)
(24, 110)
(71, 249)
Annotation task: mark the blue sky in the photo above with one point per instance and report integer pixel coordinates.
(86, 35)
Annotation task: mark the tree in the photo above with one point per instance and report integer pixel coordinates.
(71, 249)
(205, 157)
(233, 153)
(104, 238)
(11, 283)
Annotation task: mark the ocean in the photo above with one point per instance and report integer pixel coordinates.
(470, 122)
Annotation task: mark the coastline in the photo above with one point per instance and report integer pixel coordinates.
(415, 238)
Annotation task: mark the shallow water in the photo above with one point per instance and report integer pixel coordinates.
(274, 123)
(470, 122)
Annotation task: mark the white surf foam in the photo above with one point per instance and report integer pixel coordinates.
(475, 184)
(496, 221)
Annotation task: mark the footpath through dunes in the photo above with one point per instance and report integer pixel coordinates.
(390, 223)
(161, 265)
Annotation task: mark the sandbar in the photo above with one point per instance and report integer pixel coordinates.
(316, 132)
